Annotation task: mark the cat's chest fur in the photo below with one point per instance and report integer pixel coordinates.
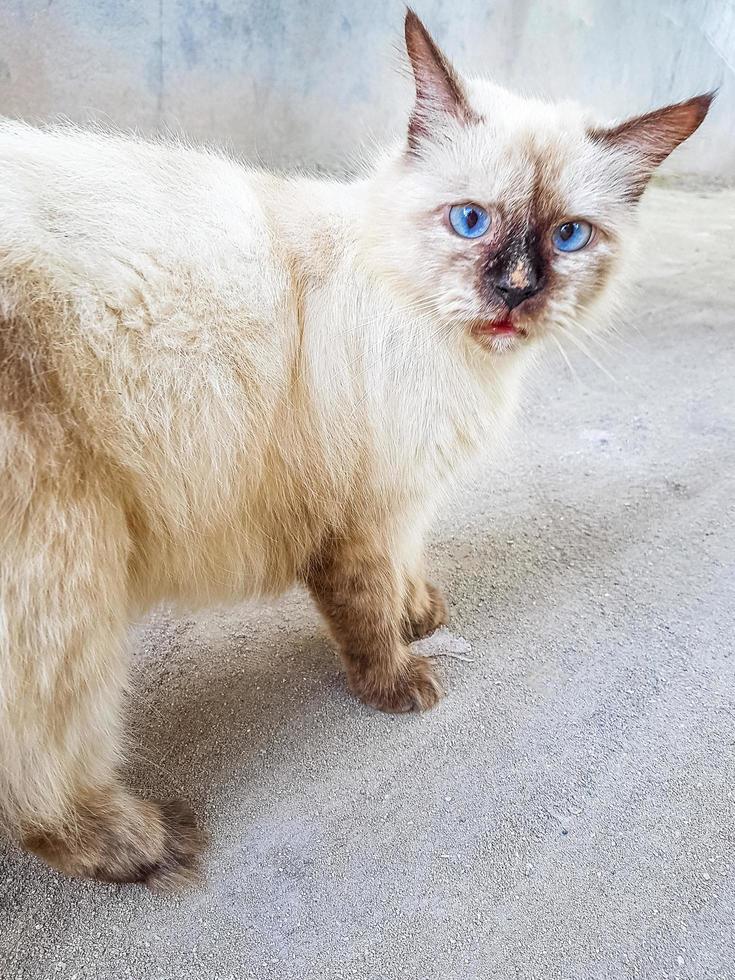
(382, 372)
(401, 388)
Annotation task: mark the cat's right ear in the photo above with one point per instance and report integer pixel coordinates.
(647, 140)
(439, 93)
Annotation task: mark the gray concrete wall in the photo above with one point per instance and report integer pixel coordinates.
(297, 81)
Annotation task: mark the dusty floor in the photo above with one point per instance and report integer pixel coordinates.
(568, 812)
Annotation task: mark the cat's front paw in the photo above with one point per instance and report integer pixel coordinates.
(426, 612)
(415, 687)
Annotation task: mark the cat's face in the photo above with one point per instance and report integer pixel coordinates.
(508, 216)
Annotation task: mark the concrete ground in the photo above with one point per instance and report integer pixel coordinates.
(568, 812)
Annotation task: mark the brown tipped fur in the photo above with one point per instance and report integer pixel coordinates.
(361, 591)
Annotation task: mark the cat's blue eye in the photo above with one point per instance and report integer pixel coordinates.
(572, 235)
(469, 220)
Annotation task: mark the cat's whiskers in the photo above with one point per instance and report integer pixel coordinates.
(569, 335)
(599, 335)
(565, 356)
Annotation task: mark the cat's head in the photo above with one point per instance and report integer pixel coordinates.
(507, 216)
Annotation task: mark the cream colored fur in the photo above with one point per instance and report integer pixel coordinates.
(233, 381)
(210, 370)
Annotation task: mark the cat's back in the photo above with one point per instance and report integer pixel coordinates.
(141, 299)
(81, 199)
(143, 256)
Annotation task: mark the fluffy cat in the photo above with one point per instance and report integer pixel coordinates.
(216, 382)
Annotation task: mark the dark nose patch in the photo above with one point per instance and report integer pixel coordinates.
(514, 295)
(515, 272)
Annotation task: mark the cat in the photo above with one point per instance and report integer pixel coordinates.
(216, 382)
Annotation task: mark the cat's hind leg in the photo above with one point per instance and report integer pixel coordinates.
(359, 588)
(63, 670)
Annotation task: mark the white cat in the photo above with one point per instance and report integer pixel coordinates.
(215, 382)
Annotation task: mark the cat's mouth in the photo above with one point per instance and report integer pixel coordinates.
(498, 328)
(498, 335)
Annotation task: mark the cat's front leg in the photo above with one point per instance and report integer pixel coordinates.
(359, 587)
(425, 608)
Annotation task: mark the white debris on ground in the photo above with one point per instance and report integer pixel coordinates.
(443, 643)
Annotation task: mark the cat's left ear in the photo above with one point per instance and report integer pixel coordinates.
(440, 95)
(647, 140)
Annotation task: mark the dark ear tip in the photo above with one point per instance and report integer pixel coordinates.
(701, 105)
(412, 24)
(706, 99)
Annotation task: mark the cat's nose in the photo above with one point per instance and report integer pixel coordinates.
(514, 295)
(515, 273)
